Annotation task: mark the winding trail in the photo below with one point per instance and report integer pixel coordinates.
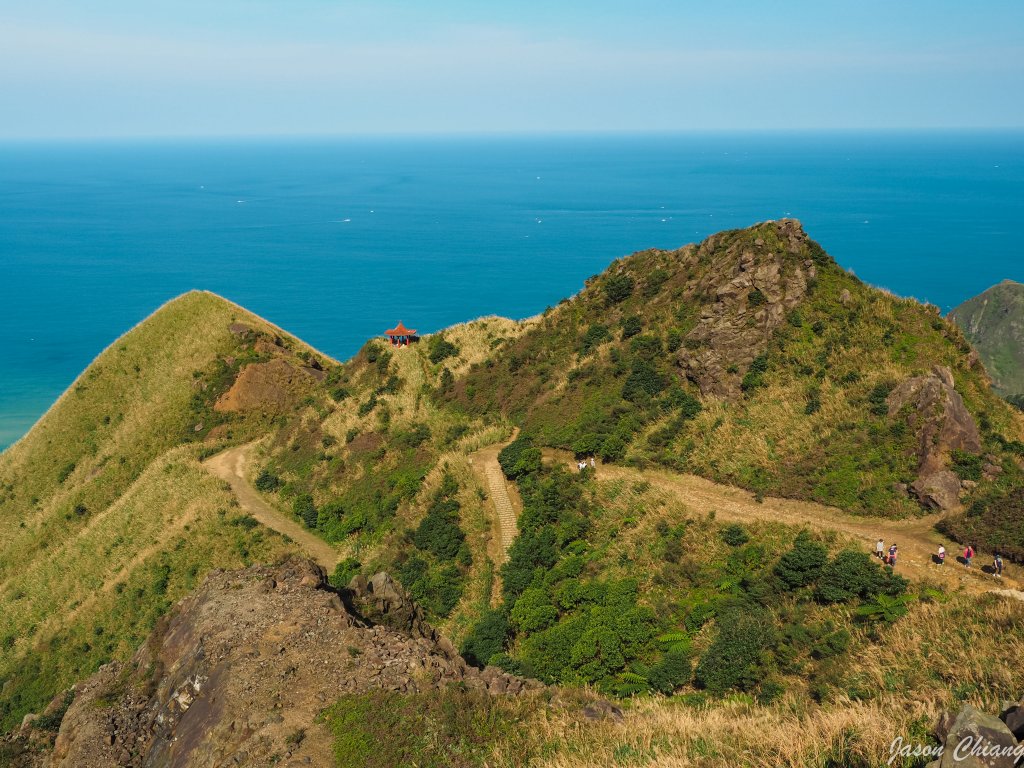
(917, 539)
(230, 466)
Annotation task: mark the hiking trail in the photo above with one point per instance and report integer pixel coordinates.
(230, 466)
(505, 503)
(916, 538)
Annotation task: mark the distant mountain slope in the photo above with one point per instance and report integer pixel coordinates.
(993, 321)
(754, 359)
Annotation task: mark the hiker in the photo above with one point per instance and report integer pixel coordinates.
(968, 556)
(892, 556)
(593, 464)
(942, 554)
(997, 564)
(880, 550)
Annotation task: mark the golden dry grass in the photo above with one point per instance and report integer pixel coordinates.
(103, 498)
(911, 675)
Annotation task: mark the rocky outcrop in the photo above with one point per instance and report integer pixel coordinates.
(248, 661)
(941, 423)
(971, 738)
(753, 287)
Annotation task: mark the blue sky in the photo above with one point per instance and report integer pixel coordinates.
(109, 68)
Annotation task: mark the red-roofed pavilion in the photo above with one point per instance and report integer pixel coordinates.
(400, 336)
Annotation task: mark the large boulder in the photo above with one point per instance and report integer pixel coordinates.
(1014, 719)
(942, 424)
(938, 490)
(979, 740)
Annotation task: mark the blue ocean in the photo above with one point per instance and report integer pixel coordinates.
(338, 240)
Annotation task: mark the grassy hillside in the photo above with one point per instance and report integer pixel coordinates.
(105, 514)
(752, 359)
(386, 473)
(994, 323)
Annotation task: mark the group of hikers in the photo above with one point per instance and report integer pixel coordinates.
(582, 464)
(889, 556)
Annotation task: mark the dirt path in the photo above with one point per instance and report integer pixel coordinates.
(917, 540)
(504, 501)
(231, 467)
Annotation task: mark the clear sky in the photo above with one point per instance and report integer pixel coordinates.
(102, 68)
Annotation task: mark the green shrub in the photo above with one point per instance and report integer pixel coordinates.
(877, 398)
(756, 298)
(439, 348)
(344, 572)
(673, 670)
(305, 510)
(447, 380)
(618, 288)
(754, 376)
(801, 565)
(698, 616)
(733, 660)
(414, 436)
(734, 535)
(65, 472)
(673, 339)
(519, 458)
(487, 638)
(631, 326)
(438, 589)
(613, 448)
(533, 611)
(688, 405)
(594, 336)
(853, 574)
(648, 345)
(644, 379)
(266, 481)
(655, 279)
(51, 722)
(439, 532)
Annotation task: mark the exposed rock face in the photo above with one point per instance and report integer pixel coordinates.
(753, 289)
(974, 739)
(942, 424)
(249, 660)
(272, 387)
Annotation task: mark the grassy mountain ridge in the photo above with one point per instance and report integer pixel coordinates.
(993, 321)
(105, 514)
(752, 359)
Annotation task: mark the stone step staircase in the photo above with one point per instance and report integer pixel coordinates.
(502, 505)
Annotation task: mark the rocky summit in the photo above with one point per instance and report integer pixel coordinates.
(250, 660)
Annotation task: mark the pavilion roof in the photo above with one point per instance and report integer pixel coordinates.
(399, 330)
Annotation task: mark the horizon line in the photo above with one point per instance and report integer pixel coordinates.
(509, 134)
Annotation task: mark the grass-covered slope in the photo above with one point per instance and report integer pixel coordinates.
(993, 321)
(105, 513)
(385, 472)
(752, 359)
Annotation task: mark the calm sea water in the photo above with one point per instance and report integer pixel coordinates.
(336, 241)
